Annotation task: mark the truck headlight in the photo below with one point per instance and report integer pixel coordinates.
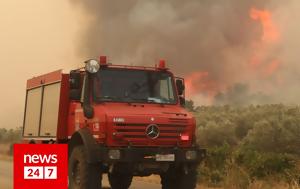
(114, 154)
(92, 66)
(191, 155)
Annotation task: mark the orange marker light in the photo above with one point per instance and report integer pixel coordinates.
(103, 60)
(162, 64)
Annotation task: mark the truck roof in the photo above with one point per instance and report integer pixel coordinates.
(56, 76)
(136, 67)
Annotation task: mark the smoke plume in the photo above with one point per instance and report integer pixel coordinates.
(213, 44)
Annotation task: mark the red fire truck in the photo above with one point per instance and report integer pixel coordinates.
(121, 120)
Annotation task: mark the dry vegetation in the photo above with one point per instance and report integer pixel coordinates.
(249, 147)
(253, 147)
(7, 139)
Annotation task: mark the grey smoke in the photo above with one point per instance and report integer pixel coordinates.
(193, 35)
(240, 95)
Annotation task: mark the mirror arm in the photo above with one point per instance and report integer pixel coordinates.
(182, 101)
(85, 100)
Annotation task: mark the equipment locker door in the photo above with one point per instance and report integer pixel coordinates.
(50, 110)
(32, 113)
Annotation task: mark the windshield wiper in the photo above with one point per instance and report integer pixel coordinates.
(109, 98)
(142, 99)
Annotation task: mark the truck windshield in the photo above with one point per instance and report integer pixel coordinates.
(120, 85)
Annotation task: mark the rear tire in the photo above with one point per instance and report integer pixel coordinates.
(176, 177)
(83, 175)
(119, 180)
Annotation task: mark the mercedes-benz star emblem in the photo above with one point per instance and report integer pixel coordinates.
(152, 131)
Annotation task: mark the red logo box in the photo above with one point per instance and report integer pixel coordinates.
(39, 166)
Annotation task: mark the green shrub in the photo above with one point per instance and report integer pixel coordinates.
(11, 135)
(213, 168)
(264, 164)
(255, 142)
(214, 134)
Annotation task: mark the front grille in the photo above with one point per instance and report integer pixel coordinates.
(170, 131)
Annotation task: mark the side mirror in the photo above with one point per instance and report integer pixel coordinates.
(180, 90)
(75, 94)
(180, 86)
(74, 80)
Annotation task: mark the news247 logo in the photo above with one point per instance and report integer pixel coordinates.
(40, 166)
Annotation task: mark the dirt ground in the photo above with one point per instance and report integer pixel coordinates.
(4, 148)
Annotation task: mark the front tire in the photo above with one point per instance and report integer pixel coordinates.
(119, 180)
(83, 175)
(177, 178)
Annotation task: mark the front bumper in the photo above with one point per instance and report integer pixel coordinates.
(141, 155)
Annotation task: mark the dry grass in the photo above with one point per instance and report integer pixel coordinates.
(254, 185)
(258, 185)
(271, 185)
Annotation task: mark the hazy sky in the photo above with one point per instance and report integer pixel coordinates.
(37, 36)
(215, 44)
